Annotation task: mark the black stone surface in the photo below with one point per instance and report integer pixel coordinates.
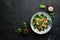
(14, 12)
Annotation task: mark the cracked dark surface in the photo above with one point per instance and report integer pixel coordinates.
(14, 12)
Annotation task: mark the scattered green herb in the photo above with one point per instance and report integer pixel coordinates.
(42, 6)
(19, 30)
(52, 15)
(24, 24)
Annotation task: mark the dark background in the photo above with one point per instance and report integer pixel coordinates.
(14, 12)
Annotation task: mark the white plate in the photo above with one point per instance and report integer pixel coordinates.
(45, 30)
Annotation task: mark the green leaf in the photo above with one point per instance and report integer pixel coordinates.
(19, 30)
(36, 16)
(48, 22)
(24, 24)
(53, 13)
(39, 29)
(52, 16)
(42, 6)
(45, 17)
(46, 26)
(41, 17)
(34, 19)
(35, 26)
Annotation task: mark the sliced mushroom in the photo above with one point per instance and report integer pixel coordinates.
(50, 8)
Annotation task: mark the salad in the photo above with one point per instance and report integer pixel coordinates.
(40, 22)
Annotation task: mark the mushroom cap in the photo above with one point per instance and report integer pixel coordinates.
(50, 8)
